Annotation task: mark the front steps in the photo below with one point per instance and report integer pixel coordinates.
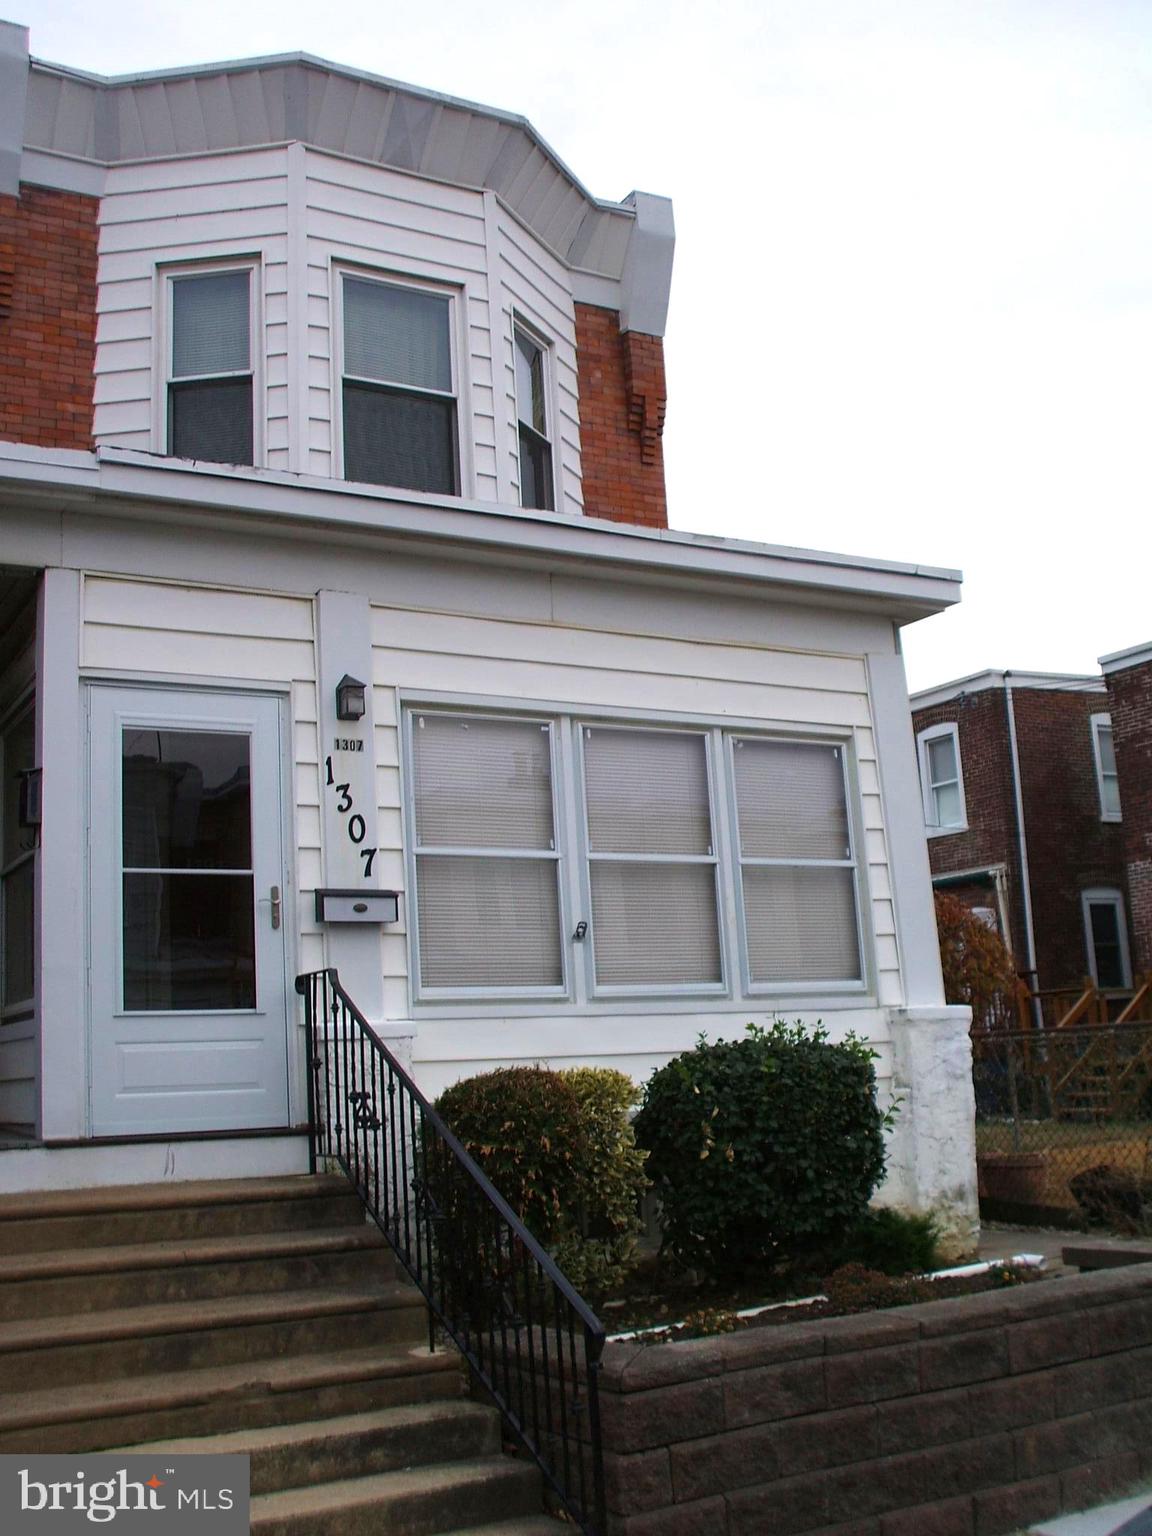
(261, 1316)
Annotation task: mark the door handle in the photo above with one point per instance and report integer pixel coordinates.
(275, 903)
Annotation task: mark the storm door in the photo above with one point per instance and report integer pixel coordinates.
(188, 1004)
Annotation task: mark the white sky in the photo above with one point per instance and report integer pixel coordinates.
(912, 304)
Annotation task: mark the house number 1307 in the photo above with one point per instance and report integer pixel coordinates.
(357, 827)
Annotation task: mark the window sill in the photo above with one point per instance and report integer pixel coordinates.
(945, 831)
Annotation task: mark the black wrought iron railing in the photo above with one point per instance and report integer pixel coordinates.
(532, 1343)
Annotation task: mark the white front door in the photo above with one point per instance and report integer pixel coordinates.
(188, 988)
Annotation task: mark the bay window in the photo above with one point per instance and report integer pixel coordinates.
(210, 375)
(399, 395)
(573, 859)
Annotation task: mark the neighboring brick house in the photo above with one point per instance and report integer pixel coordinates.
(1128, 676)
(1027, 781)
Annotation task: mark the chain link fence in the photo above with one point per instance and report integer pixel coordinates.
(1064, 1125)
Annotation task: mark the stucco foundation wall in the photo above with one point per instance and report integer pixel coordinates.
(970, 1417)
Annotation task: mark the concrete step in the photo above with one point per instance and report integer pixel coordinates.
(528, 1525)
(419, 1502)
(145, 1213)
(220, 1399)
(324, 1450)
(49, 1282)
(137, 1341)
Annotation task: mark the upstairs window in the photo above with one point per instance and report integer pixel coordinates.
(210, 367)
(399, 393)
(1107, 779)
(532, 423)
(941, 779)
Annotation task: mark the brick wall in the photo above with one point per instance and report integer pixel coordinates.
(623, 397)
(1069, 847)
(47, 317)
(970, 1417)
(1130, 704)
(986, 765)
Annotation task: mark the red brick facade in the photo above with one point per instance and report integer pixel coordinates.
(1130, 702)
(623, 398)
(1070, 848)
(47, 317)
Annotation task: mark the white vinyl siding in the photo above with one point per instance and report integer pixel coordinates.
(299, 215)
(1107, 778)
(942, 779)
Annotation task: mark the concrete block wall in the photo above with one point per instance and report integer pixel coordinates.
(968, 1417)
(47, 317)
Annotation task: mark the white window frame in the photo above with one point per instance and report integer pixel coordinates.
(760, 989)
(457, 319)
(580, 992)
(1100, 723)
(1106, 896)
(539, 340)
(19, 1009)
(587, 858)
(933, 826)
(167, 275)
(416, 851)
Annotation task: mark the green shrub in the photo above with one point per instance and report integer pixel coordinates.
(762, 1148)
(560, 1149)
(891, 1242)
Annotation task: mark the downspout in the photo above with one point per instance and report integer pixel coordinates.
(1022, 839)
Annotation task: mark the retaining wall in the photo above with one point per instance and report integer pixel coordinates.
(968, 1417)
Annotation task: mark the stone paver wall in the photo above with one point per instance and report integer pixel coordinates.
(968, 1417)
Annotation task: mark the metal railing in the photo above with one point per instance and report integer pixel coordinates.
(530, 1340)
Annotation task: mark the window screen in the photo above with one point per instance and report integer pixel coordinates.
(798, 881)
(532, 424)
(487, 870)
(210, 398)
(652, 866)
(399, 412)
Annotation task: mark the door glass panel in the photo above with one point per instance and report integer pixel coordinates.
(1105, 921)
(188, 942)
(186, 800)
(188, 899)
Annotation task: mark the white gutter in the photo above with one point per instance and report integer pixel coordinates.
(221, 490)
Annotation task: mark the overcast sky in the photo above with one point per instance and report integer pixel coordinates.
(912, 305)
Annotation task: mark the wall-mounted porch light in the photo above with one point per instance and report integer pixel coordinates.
(349, 698)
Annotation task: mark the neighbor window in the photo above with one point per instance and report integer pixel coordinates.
(210, 392)
(941, 779)
(399, 396)
(1106, 938)
(1107, 779)
(583, 859)
(532, 423)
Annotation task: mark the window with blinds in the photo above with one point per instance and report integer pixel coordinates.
(487, 866)
(210, 394)
(651, 859)
(797, 870)
(398, 393)
(641, 887)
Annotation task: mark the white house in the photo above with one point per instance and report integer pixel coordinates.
(378, 395)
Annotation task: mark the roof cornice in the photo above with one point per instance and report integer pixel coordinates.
(981, 682)
(118, 478)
